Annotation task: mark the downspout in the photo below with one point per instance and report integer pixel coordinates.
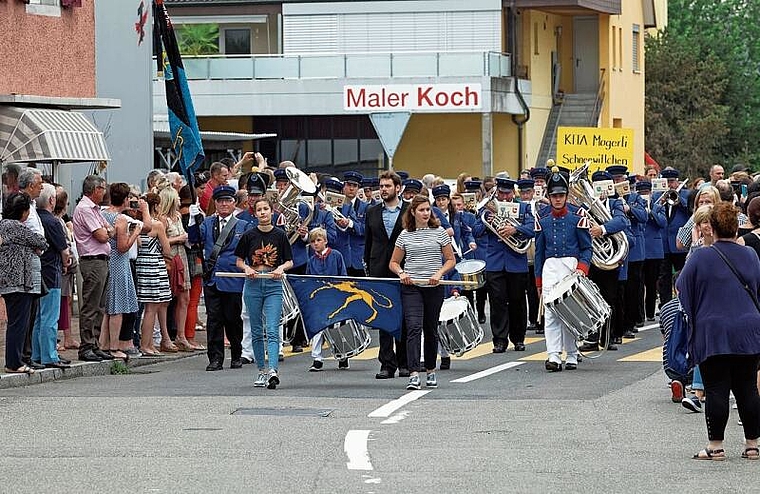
(519, 120)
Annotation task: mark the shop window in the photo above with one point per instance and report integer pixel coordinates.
(237, 41)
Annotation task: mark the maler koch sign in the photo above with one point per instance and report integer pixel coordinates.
(415, 97)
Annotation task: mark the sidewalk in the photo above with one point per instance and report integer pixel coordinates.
(81, 369)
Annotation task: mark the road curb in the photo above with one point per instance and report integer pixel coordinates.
(81, 369)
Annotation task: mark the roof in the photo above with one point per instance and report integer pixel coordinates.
(161, 130)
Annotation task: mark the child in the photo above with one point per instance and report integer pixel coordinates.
(328, 262)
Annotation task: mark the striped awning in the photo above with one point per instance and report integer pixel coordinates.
(42, 134)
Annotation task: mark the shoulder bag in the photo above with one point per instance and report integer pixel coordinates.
(738, 277)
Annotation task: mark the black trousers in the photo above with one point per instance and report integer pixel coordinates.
(621, 321)
(296, 325)
(355, 273)
(35, 307)
(665, 281)
(390, 360)
(532, 296)
(634, 289)
(649, 295)
(481, 295)
(422, 308)
(17, 306)
(223, 311)
(607, 281)
(506, 291)
(737, 373)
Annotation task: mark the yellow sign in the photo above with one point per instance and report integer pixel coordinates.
(602, 147)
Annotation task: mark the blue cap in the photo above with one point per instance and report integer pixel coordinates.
(539, 172)
(334, 185)
(617, 170)
(402, 175)
(472, 185)
(525, 183)
(280, 174)
(669, 173)
(353, 177)
(600, 175)
(412, 184)
(441, 190)
(644, 185)
(224, 192)
(632, 180)
(505, 184)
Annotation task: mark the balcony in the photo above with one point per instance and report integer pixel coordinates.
(573, 7)
(348, 66)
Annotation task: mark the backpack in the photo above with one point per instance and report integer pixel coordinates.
(674, 349)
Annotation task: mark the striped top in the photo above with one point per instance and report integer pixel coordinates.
(423, 250)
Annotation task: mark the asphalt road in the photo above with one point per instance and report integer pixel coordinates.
(607, 427)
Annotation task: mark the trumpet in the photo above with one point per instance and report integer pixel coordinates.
(672, 196)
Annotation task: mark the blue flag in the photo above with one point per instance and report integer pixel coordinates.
(325, 301)
(185, 135)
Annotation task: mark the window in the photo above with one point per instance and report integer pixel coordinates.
(237, 41)
(614, 47)
(636, 48)
(50, 8)
(535, 39)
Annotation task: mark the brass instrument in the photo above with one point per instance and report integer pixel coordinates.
(335, 211)
(672, 196)
(517, 243)
(288, 204)
(609, 250)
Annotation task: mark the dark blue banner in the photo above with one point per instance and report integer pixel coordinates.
(325, 301)
(185, 135)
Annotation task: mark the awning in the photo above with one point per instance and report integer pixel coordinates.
(161, 131)
(42, 134)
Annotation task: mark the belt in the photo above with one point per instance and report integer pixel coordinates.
(102, 257)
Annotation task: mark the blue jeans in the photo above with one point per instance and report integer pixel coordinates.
(45, 332)
(263, 298)
(696, 380)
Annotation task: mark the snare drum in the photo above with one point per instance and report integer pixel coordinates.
(347, 339)
(472, 270)
(576, 302)
(458, 327)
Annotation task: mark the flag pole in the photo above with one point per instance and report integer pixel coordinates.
(227, 274)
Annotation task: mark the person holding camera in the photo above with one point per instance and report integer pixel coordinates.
(220, 233)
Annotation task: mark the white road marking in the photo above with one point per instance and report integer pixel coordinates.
(487, 372)
(650, 326)
(355, 447)
(396, 418)
(386, 410)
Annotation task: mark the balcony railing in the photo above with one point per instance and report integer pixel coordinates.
(351, 65)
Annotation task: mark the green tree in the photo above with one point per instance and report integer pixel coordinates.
(198, 39)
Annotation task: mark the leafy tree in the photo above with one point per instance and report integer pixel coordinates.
(198, 39)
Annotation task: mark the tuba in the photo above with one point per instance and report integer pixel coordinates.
(516, 242)
(610, 250)
(288, 204)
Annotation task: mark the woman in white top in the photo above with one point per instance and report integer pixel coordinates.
(425, 249)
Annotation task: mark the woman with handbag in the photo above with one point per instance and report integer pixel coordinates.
(727, 349)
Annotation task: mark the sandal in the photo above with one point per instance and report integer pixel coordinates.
(24, 369)
(711, 454)
(754, 456)
(183, 346)
(115, 354)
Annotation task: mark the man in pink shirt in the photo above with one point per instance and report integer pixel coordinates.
(92, 233)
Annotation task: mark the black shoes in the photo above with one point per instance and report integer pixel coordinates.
(499, 348)
(64, 360)
(343, 364)
(482, 319)
(56, 365)
(553, 366)
(246, 360)
(404, 373)
(384, 374)
(570, 366)
(618, 340)
(445, 363)
(215, 365)
(519, 347)
(35, 365)
(629, 335)
(103, 355)
(589, 347)
(316, 366)
(532, 327)
(296, 349)
(89, 356)
(236, 364)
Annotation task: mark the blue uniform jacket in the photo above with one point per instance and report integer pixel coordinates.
(678, 217)
(499, 257)
(350, 242)
(321, 218)
(638, 217)
(469, 219)
(330, 265)
(226, 261)
(656, 222)
(563, 234)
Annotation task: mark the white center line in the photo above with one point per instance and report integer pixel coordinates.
(355, 447)
(487, 372)
(386, 410)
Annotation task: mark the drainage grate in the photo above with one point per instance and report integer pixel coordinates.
(285, 412)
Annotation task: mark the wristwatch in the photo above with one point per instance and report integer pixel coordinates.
(400, 272)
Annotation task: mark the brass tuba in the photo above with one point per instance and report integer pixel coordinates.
(288, 204)
(516, 242)
(610, 250)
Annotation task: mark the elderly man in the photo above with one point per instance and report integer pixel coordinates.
(716, 173)
(219, 175)
(92, 233)
(30, 183)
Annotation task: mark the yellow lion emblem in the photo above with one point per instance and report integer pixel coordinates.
(357, 294)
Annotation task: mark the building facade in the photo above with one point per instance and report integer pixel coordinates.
(485, 82)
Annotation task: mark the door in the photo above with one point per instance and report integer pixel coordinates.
(586, 54)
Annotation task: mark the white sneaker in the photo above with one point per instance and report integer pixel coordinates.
(261, 380)
(273, 379)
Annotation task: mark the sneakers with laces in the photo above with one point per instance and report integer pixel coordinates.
(431, 381)
(316, 366)
(273, 379)
(692, 403)
(261, 380)
(343, 364)
(414, 382)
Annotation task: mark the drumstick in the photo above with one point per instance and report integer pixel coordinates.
(415, 281)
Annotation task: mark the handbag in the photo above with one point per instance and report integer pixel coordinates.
(738, 277)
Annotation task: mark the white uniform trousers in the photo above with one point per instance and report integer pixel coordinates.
(557, 335)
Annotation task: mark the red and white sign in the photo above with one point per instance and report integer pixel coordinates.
(415, 97)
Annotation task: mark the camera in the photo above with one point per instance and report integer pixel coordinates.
(134, 204)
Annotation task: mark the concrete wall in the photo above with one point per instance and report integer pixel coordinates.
(47, 55)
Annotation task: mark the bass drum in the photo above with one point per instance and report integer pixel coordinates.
(458, 327)
(347, 339)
